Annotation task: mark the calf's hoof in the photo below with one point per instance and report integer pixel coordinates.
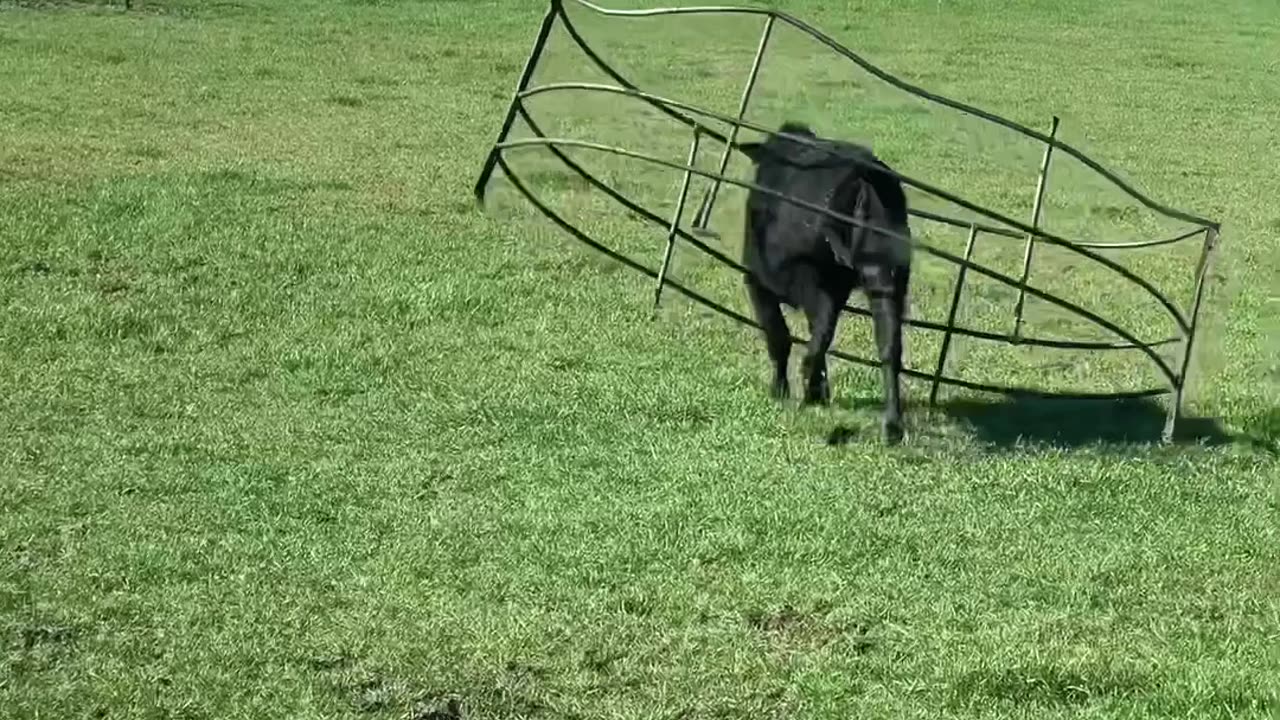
(893, 430)
(819, 396)
(780, 390)
(817, 392)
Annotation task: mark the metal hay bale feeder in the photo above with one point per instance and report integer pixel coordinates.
(1000, 225)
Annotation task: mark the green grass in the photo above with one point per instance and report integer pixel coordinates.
(289, 428)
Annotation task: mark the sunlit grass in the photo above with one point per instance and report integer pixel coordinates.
(289, 428)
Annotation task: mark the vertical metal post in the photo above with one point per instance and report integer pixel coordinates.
(709, 199)
(676, 217)
(1031, 239)
(951, 317)
(1189, 336)
(530, 64)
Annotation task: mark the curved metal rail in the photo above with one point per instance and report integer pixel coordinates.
(554, 147)
(907, 87)
(921, 185)
(1133, 343)
(708, 302)
(1003, 227)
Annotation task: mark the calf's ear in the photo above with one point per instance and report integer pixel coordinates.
(753, 150)
(867, 209)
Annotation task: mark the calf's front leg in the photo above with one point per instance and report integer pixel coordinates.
(822, 308)
(888, 302)
(777, 337)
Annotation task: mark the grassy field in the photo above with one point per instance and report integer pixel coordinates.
(289, 428)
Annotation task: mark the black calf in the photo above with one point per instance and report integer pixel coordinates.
(809, 260)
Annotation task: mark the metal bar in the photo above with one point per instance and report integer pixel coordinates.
(652, 101)
(958, 223)
(951, 317)
(734, 264)
(1065, 304)
(713, 305)
(530, 64)
(1013, 235)
(675, 220)
(1143, 243)
(709, 199)
(1005, 232)
(1180, 384)
(909, 88)
(918, 184)
(1036, 209)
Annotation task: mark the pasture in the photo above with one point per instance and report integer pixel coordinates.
(290, 429)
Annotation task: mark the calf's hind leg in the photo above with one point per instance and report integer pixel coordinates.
(768, 311)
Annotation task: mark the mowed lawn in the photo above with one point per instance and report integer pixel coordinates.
(289, 428)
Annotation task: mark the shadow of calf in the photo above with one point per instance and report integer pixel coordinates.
(1077, 423)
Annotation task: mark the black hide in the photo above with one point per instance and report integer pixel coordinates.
(811, 261)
